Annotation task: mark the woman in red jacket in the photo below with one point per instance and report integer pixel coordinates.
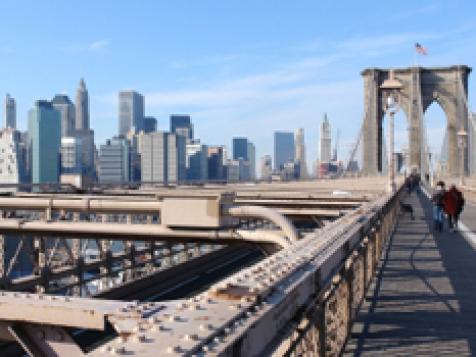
(451, 206)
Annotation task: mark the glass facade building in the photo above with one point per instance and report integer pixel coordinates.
(44, 128)
(131, 112)
(240, 148)
(283, 149)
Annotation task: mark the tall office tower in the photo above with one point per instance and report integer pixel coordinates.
(176, 158)
(67, 112)
(150, 124)
(10, 112)
(215, 163)
(244, 170)
(153, 153)
(12, 162)
(44, 130)
(266, 168)
(232, 169)
(82, 107)
(131, 112)
(325, 140)
(300, 156)
(240, 148)
(71, 156)
(252, 161)
(134, 156)
(162, 158)
(182, 125)
(283, 149)
(197, 162)
(114, 161)
(86, 136)
(226, 154)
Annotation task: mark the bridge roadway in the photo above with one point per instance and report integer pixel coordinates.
(423, 301)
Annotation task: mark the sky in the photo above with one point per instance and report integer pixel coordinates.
(239, 67)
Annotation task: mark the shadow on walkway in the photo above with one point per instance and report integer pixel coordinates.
(424, 301)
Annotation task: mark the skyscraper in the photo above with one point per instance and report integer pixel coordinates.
(197, 162)
(240, 148)
(300, 156)
(44, 129)
(150, 124)
(82, 107)
(252, 161)
(114, 161)
(131, 112)
(266, 168)
(162, 158)
(182, 125)
(215, 163)
(12, 162)
(325, 140)
(10, 112)
(71, 155)
(67, 113)
(153, 152)
(176, 158)
(283, 148)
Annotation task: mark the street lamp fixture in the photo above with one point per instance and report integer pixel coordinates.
(462, 142)
(391, 91)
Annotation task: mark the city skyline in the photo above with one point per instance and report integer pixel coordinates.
(297, 72)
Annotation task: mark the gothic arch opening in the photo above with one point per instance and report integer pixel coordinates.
(436, 123)
(401, 143)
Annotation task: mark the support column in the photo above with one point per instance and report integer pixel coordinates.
(415, 112)
(105, 270)
(130, 260)
(78, 260)
(371, 149)
(40, 263)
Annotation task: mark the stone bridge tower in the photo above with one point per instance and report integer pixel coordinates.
(448, 86)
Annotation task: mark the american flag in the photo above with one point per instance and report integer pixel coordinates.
(420, 49)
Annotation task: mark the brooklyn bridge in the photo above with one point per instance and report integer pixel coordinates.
(343, 266)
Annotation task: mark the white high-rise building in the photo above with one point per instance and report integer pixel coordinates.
(266, 168)
(10, 112)
(300, 153)
(153, 154)
(325, 140)
(71, 155)
(12, 158)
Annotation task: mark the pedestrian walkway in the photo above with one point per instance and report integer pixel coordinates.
(423, 302)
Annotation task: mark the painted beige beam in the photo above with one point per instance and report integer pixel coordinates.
(138, 232)
(61, 311)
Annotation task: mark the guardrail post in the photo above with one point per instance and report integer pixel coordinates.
(40, 263)
(77, 260)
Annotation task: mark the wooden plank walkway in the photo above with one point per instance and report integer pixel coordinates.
(423, 301)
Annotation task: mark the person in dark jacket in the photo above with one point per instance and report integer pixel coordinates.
(450, 201)
(453, 202)
(437, 200)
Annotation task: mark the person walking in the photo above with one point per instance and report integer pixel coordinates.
(459, 204)
(451, 203)
(437, 200)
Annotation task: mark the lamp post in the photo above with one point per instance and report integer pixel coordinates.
(462, 141)
(391, 90)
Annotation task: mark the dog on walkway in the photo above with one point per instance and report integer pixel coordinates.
(407, 208)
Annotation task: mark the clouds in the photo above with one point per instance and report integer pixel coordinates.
(90, 47)
(299, 84)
